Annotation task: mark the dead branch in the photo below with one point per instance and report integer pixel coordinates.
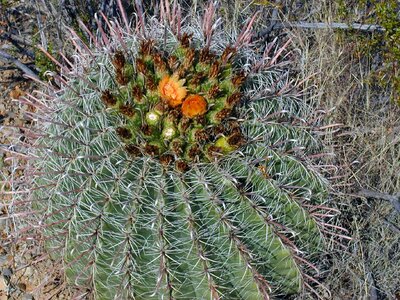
(19, 44)
(274, 17)
(393, 199)
(8, 58)
(321, 25)
(13, 38)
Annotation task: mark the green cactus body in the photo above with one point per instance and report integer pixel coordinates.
(165, 176)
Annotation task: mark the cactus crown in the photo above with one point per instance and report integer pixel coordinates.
(245, 218)
(177, 106)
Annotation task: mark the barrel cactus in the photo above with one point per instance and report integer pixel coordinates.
(171, 162)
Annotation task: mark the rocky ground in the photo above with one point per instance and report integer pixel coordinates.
(19, 278)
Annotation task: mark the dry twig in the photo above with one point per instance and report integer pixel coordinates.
(320, 25)
(393, 199)
(8, 58)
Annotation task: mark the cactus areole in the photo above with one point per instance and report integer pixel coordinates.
(172, 164)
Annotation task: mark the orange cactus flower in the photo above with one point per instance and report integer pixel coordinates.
(172, 90)
(194, 105)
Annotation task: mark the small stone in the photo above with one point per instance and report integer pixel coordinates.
(27, 297)
(16, 93)
(22, 286)
(28, 271)
(3, 288)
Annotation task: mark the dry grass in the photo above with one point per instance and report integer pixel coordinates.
(367, 151)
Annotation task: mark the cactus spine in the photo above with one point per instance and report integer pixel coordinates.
(167, 172)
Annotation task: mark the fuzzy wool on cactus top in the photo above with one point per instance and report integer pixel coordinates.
(171, 163)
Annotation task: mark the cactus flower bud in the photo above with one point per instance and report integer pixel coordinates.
(152, 118)
(223, 144)
(168, 133)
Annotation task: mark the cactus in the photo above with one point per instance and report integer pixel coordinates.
(165, 167)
